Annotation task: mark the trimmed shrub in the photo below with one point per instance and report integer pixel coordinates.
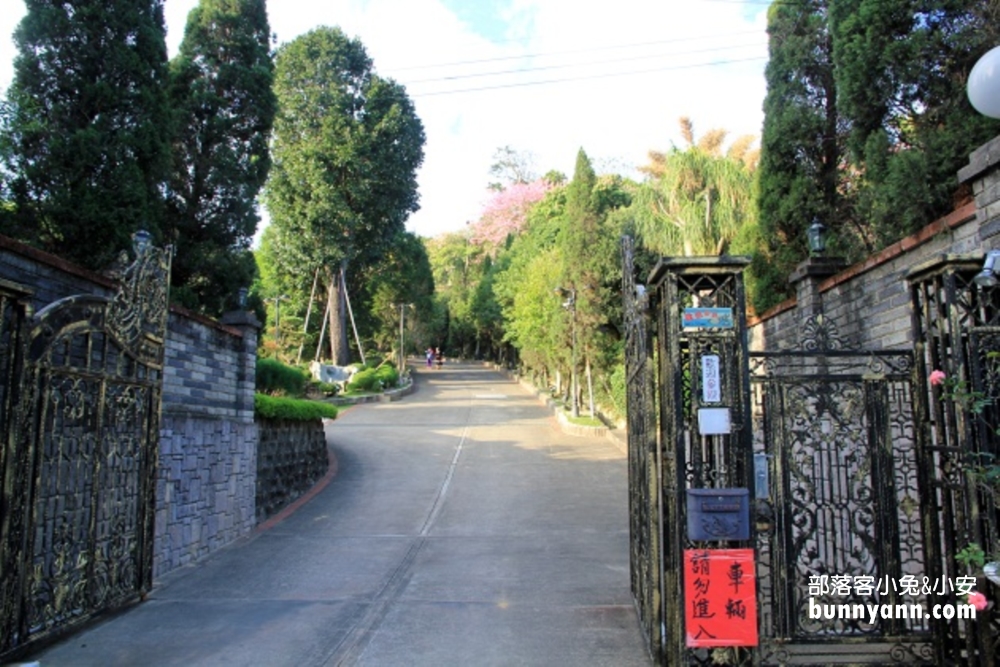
(365, 380)
(277, 407)
(388, 375)
(326, 388)
(277, 379)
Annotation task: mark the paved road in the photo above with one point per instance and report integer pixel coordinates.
(462, 528)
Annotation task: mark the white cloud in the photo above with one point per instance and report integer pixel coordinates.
(614, 115)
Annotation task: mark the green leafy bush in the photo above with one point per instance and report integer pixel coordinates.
(326, 388)
(277, 407)
(278, 379)
(365, 380)
(388, 375)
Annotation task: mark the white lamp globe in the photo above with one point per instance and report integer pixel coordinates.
(984, 84)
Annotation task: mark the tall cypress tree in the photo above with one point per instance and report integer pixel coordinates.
(224, 105)
(88, 126)
(801, 143)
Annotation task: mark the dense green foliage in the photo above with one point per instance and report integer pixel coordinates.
(276, 378)
(371, 378)
(277, 407)
(220, 91)
(697, 200)
(801, 145)
(86, 132)
(401, 276)
(866, 123)
(346, 147)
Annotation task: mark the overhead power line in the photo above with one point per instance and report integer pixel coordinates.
(595, 49)
(525, 70)
(587, 77)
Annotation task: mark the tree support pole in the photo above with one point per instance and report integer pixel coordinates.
(354, 326)
(305, 327)
(322, 331)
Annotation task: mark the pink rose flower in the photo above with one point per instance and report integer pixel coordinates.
(978, 600)
(937, 377)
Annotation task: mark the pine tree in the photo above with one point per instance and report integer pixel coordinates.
(224, 109)
(87, 136)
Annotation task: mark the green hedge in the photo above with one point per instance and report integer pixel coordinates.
(276, 378)
(374, 379)
(275, 407)
(365, 380)
(388, 375)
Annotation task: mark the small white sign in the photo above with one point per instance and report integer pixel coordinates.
(713, 421)
(711, 388)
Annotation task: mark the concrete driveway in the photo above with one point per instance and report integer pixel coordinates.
(462, 528)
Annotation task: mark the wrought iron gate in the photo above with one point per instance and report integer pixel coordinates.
(80, 418)
(644, 458)
(824, 436)
(841, 521)
(957, 331)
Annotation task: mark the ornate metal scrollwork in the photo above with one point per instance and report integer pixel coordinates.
(140, 304)
(820, 334)
(80, 453)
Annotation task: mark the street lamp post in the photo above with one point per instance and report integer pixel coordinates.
(570, 304)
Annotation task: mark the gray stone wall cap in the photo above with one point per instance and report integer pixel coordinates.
(981, 160)
(240, 318)
(943, 262)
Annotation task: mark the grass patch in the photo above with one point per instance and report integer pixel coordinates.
(296, 409)
(584, 421)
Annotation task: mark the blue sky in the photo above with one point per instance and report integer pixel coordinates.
(545, 77)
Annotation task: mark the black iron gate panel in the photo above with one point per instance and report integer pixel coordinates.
(13, 312)
(840, 520)
(644, 458)
(956, 329)
(82, 447)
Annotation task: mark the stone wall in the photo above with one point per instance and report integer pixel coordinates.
(207, 477)
(291, 457)
(869, 302)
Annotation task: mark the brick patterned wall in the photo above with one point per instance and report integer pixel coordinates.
(206, 370)
(207, 477)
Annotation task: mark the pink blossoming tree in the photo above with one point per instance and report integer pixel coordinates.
(506, 211)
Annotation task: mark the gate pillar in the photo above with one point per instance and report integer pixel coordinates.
(705, 431)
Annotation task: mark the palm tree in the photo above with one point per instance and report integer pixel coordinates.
(695, 201)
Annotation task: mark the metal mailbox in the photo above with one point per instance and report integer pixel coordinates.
(718, 514)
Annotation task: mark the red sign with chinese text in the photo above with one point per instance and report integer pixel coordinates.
(720, 598)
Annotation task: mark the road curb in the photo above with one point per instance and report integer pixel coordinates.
(618, 437)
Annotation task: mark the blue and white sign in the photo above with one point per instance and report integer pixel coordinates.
(707, 318)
